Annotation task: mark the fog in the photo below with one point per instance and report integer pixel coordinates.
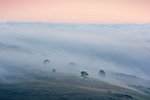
(120, 48)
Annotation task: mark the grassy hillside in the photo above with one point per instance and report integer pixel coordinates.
(66, 87)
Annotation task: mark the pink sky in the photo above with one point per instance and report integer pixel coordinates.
(75, 11)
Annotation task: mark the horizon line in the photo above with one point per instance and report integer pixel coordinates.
(68, 22)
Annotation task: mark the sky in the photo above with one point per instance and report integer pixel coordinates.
(75, 11)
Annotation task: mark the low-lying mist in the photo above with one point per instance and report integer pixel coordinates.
(119, 48)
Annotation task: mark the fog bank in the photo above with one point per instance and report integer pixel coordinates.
(122, 48)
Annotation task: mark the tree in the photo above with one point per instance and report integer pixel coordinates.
(46, 61)
(84, 74)
(54, 70)
(102, 73)
(72, 64)
(71, 67)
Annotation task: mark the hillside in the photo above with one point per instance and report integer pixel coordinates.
(65, 87)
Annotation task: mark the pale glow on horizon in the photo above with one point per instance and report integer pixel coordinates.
(75, 11)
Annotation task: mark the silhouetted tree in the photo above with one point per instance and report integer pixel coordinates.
(84, 74)
(102, 73)
(54, 70)
(46, 61)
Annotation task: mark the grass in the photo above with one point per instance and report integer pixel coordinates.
(64, 87)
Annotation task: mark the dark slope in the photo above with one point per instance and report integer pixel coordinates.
(66, 87)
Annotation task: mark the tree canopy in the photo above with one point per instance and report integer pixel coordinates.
(102, 73)
(84, 74)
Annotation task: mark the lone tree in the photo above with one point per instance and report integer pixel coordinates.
(84, 74)
(102, 73)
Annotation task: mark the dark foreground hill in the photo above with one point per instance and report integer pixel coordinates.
(66, 87)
